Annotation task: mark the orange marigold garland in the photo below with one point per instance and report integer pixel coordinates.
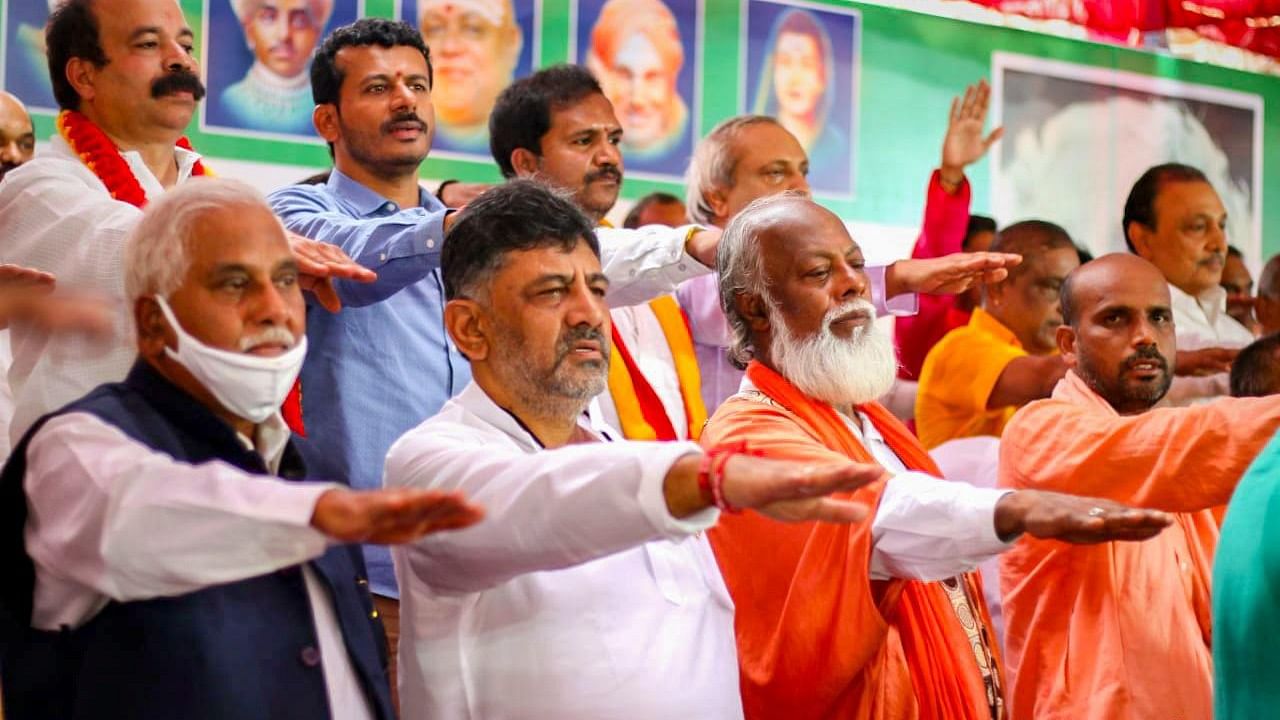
(101, 155)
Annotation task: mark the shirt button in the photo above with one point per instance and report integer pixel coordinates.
(633, 272)
(681, 267)
(431, 244)
(382, 257)
(310, 656)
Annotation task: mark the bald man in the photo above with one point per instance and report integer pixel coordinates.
(1121, 630)
(1267, 305)
(980, 374)
(17, 136)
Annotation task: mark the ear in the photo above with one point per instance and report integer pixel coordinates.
(525, 162)
(465, 321)
(81, 74)
(153, 330)
(1140, 237)
(752, 307)
(718, 201)
(325, 118)
(1066, 338)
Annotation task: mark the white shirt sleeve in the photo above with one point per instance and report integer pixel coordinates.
(646, 262)
(545, 510)
(110, 518)
(931, 529)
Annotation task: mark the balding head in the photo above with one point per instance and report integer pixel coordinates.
(1026, 302)
(17, 137)
(1267, 304)
(1119, 334)
(793, 287)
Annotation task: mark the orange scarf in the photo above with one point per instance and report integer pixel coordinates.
(640, 410)
(941, 662)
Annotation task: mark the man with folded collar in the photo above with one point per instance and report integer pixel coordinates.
(166, 556)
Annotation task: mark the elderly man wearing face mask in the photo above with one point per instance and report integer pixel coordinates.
(165, 556)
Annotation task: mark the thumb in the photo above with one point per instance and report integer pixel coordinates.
(993, 138)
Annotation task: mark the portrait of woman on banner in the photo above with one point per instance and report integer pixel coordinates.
(798, 81)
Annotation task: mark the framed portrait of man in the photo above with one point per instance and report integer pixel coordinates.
(26, 69)
(477, 48)
(801, 63)
(1065, 124)
(258, 59)
(645, 55)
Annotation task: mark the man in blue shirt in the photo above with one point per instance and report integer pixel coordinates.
(384, 364)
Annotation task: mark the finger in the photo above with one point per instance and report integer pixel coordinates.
(350, 270)
(835, 478)
(966, 106)
(983, 100)
(326, 294)
(993, 137)
(844, 512)
(954, 116)
(992, 277)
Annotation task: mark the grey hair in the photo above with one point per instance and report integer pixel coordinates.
(714, 163)
(741, 271)
(156, 253)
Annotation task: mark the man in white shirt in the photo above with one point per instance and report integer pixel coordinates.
(590, 592)
(166, 558)
(1174, 218)
(124, 75)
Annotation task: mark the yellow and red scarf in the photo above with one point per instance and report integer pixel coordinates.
(640, 410)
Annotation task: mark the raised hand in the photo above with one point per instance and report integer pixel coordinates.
(390, 517)
(1074, 519)
(27, 296)
(948, 274)
(964, 143)
(458, 194)
(319, 264)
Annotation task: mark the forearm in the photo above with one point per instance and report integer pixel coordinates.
(645, 263)
(946, 217)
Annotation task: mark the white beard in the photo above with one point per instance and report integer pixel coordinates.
(836, 371)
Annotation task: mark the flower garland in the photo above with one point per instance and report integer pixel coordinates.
(101, 156)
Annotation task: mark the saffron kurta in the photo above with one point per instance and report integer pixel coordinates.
(1121, 630)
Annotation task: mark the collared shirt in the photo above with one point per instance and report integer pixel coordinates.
(385, 363)
(712, 336)
(578, 596)
(98, 500)
(924, 528)
(1203, 322)
(59, 217)
(957, 380)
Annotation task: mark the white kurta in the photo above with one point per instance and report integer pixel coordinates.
(578, 596)
(59, 217)
(1203, 322)
(111, 519)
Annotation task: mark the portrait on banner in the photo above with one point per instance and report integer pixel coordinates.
(477, 48)
(258, 59)
(801, 68)
(645, 55)
(26, 69)
(1077, 137)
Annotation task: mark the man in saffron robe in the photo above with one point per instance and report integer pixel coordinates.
(849, 624)
(1119, 631)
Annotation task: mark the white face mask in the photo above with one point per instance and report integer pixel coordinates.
(250, 386)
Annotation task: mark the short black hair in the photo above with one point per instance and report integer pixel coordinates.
(1066, 298)
(977, 224)
(326, 78)
(1031, 236)
(1256, 371)
(522, 113)
(632, 220)
(514, 216)
(72, 32)
(1140, 207)
(1233, 251)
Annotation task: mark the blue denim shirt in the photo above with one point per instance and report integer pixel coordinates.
(384, 363)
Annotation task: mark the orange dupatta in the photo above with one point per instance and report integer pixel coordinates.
(941, 663)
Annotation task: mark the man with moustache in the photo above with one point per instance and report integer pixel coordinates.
(282, 34)
(164, 555)
(1174, 218)
(17, 138)
(1120, 631)
(377, 369)
(880, 620)
(590, 591)
(127, 83)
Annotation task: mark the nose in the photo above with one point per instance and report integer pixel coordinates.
(850, 281)
(1144, 333)
(798, 183)
(271, 308)
(177, 58)
(1217, 239)
(585, 307)
(402, 97)
(608, 154)
(11, 152)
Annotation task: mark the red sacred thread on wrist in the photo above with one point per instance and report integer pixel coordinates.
(101, 156)
(711, 472)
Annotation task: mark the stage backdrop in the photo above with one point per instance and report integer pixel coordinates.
(880, 78)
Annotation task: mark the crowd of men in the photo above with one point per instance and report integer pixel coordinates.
(354, 449)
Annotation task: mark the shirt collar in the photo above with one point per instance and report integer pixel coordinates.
(1211, 303)
(270, 441)
(1074, 390)
(185, 159)
(985, 321)
(475, 400)
(364, 202)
